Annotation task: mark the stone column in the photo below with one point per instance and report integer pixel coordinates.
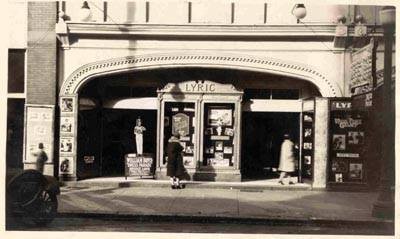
(321, 132)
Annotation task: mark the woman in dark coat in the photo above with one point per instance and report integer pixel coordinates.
(175, 168)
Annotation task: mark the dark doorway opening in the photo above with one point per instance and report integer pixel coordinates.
(262, 136)
(119, 138)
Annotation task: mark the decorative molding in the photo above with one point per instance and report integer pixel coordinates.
(203, 30)
(86, 72)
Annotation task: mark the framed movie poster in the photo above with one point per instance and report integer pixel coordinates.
(67, 104)
(219, 145)
(66, 145)
(307, 145)
(339, 142)
(356, 137)
(180, 124)
(338, 177)
(66, 165)
(339, 166)
(228, 150)
(66, 124)
(307, 133)
(217, 116)
(229, 131)
(355, 171)
(307, 159)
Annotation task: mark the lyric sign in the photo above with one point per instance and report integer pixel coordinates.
(200, 87)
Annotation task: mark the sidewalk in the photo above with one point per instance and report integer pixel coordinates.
(204, 200)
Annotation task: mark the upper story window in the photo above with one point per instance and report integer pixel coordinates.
(16, 70)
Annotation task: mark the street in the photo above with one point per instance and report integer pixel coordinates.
(171, 225)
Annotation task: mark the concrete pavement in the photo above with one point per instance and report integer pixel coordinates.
(234, 203)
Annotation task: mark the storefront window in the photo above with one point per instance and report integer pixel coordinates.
(180, 118)
(218, 145)
(16, 70)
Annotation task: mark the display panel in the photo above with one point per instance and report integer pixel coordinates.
(218, 141)
(307, 147)
(180, 117)
(346, 143)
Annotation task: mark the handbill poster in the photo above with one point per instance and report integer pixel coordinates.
(39, 129)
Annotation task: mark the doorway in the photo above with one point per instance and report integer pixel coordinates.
(119, 139)
(262, 137)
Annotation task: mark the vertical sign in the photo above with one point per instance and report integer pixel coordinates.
(362, 75)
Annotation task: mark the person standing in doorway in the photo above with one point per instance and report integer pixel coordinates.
(138, 131)
(41, 158)
(287, 159)
(175, 169)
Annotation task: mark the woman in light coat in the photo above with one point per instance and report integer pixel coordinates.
(287, 159)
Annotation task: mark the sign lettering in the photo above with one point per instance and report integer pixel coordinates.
(199, 87)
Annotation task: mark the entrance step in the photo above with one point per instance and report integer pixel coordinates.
(256, 186)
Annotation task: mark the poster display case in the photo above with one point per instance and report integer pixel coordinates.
(347, 133)
(205, 114)
(307, 147)
(180, 118)
(218, 141)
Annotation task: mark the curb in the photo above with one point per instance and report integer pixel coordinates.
(228, 219)
(203, 185)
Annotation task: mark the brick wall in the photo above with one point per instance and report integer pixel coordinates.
(41, 53)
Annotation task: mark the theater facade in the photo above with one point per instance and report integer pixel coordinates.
(231, 77)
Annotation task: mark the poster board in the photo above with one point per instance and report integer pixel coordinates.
(138, 165)
(39, 129)
(347, 138)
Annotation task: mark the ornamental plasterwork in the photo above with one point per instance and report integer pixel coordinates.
(220, 60)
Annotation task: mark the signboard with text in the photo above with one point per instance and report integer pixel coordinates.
(362, 75)
(138, 165)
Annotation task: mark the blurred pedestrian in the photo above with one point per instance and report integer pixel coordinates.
(287, 159)
(175, 168)
(41, 158)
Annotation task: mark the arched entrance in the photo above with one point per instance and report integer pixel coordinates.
(69, 101)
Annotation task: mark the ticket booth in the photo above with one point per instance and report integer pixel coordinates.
(207, 115)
